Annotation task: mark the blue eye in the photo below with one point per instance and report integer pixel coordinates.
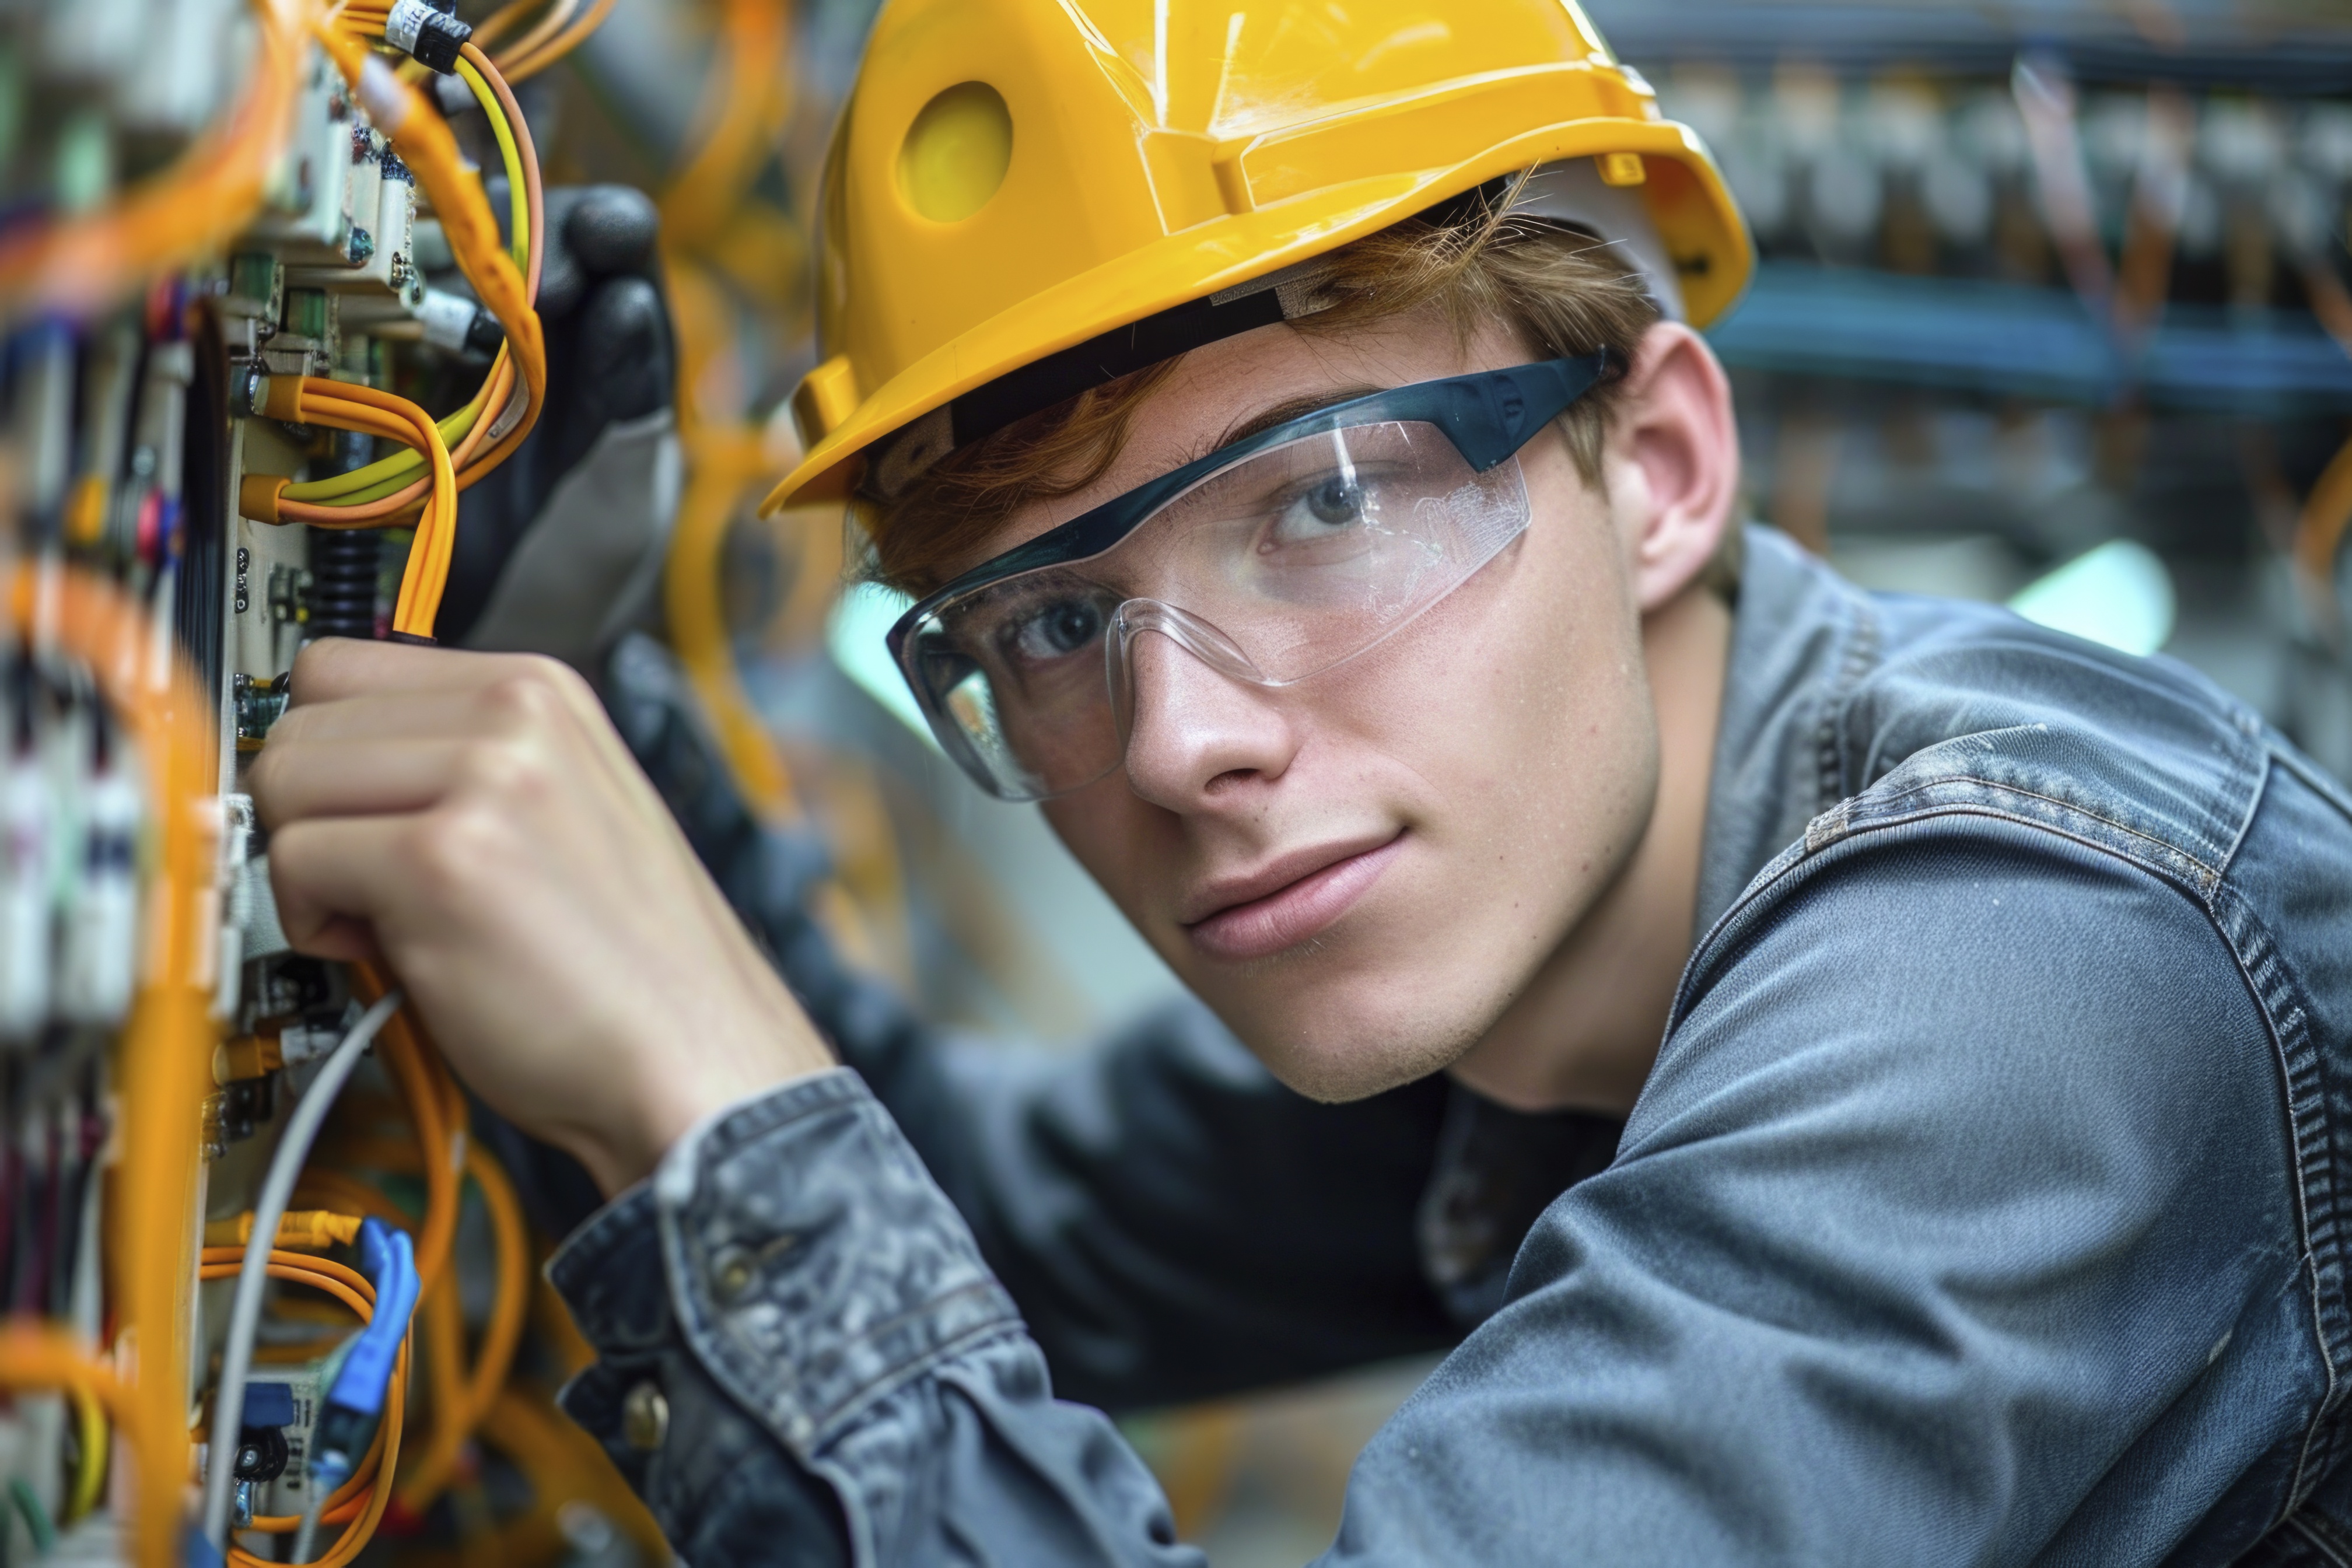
(1322, 512)
(1335, 500)
(1058, 630)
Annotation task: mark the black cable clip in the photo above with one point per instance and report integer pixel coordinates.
(424, 30)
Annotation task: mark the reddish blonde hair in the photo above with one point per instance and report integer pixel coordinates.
(1561, 290)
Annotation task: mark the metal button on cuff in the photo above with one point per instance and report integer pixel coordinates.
(732, 1273)
(645, 1417)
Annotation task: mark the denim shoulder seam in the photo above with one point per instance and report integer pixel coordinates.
(1860, 658)
(2318, 1197)
(2323, 1537)
(2272, 987)
(1952, 793)
(2264, 764)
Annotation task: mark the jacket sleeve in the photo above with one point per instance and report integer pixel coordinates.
(1174, 1223)
(1957, 1171)
(1961, 1166)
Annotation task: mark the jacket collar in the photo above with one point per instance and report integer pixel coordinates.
(1801, 638)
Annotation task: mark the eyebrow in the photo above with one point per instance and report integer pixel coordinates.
(1265, 419)
(1283, 413)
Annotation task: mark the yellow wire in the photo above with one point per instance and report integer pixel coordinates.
(351, 406)
(89, 1471)
(387, 475)
(518, 207)
(36, 1355)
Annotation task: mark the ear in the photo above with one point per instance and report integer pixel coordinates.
(1673, 462)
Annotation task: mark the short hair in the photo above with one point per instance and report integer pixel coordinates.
(1564, 293)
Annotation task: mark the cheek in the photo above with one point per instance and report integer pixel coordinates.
(1111, 834)
(1520, 701)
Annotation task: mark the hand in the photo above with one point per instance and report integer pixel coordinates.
(473, 820)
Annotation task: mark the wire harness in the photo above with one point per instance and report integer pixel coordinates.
(245, 1309)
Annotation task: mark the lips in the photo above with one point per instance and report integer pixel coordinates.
(1297, 897)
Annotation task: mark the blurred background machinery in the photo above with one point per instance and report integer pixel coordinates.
(2052, 310)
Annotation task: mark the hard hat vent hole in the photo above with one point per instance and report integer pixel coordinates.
(956, 153)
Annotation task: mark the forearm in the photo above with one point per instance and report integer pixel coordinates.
(843, 1379)
(1173, 1223)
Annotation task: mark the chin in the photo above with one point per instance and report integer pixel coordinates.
(1348, 1045)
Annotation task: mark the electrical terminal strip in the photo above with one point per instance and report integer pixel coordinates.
(238, 398)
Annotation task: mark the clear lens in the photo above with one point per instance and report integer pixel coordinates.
(1296, 558)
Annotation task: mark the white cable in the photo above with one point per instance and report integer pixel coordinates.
(245, 1312)
(306, 1537)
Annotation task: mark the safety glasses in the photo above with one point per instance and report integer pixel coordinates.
(1271, 560)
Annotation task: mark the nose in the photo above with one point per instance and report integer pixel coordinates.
(1195, 735)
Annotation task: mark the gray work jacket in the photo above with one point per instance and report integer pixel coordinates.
(1982, 1207)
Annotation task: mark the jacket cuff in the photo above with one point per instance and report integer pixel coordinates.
(812, 1265)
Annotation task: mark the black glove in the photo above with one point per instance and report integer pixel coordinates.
(568, 578)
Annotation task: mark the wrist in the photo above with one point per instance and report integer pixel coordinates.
(650, 1123)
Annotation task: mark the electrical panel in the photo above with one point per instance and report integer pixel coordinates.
(266, 278)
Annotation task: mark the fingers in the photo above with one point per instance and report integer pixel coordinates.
(418, 881)
(344, 688)
(333, 878)
(625, 354)
(528, 718)
(311, 776)
(332, 669)
(393, 716)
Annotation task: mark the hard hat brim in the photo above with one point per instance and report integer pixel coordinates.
(1693, 209)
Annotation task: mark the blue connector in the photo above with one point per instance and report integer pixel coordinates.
(389, 1260)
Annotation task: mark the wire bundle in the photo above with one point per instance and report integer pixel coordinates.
(160, 1064)
(359, 1503)
(463, 1397)
(350, 405)
(562, 28)
(441, 457)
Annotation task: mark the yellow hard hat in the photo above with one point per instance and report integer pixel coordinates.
(1014, 180)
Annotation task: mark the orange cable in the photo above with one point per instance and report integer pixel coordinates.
(520, 68)
(415, 1070)
(724, 456)
(509, 1307)
(350, 405)
(346, 1505)
(197, 205)
(162, 1059)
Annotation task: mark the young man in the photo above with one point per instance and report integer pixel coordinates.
(1361, 596)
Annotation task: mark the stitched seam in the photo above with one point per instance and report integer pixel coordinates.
(2288, 1020)
(2254, 798)
(1860, 653)
(2210, 873)
(2191, 889)
(834, 1425)
(1001, 1315)
(2322, 1538)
